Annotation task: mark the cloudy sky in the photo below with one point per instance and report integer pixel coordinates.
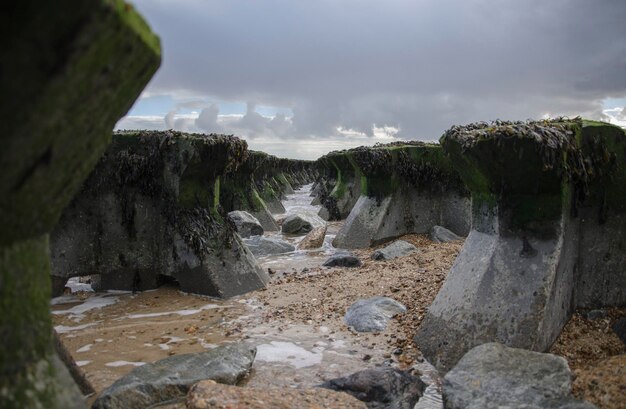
(298, 78)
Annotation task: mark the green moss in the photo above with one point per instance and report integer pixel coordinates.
(26, 378)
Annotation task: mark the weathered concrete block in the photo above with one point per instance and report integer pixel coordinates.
(346, 189)
(601, 268)
(150, 209)
(68, 74)
(404, 189)
(515, 277)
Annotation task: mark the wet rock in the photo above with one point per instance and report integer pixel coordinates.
(171, 378)
(314, 239)
(372, 314)
(265, 246)
(246, 224)
(440, 234)
(619, 327)
(211, 395)
(396, 249)
(380, 388)
(495, 376)
(343, 260)
(301, 223)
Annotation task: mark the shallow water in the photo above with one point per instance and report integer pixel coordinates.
(109, 334)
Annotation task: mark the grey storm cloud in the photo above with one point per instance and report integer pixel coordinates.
(420, 66)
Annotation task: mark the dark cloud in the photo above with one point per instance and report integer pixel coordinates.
(420, 66)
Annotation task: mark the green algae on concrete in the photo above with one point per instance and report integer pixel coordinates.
(540, 243)
(70, 72)
(152, 208)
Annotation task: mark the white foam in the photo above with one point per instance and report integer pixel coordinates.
(287, 352)
(84, 348)
(75, 285)
(180, 312)
(123, 363)
(62, 329)
(97, 301)
(82, 363)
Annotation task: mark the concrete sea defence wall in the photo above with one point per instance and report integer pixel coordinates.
(260, 183)
(547, 234)
(69, 73)
(403, 188)
(150, 212)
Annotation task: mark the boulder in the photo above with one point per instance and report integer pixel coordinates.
(301, 223)
(440, 234)
(495, 376)
(379, 388)
(619, 327)
(211, 395)
(314, 239)
(266, 246)
(171, 378)
(342, 260)
(396, 249)
(372, 314)
(246, 224)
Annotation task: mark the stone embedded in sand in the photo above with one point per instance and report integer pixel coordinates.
(314, 239)
(381, 387)
(246, 224)
(343, 260)
(396, 249)
(172, 377)
(493, 376)
(266, 246)
(372, 314)
(211, 395)
(440, 234)
(301, 223)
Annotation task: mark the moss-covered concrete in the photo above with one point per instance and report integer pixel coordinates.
(403, 188)
(262, 181)
(68, 72)
(152, 208)
(547, 229)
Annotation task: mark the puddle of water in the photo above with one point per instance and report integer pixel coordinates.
(289, 353)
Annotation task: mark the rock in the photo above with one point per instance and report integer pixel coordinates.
(495, 376)
(211, 395)
(396, 249)
(171, 378)
(372, 314)
(342, 260)
(619, 327)
(301, 223)
(246, 224)
(440, 234)
(596, 314)
(387, 388)
(265, 246)
(314, 239)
